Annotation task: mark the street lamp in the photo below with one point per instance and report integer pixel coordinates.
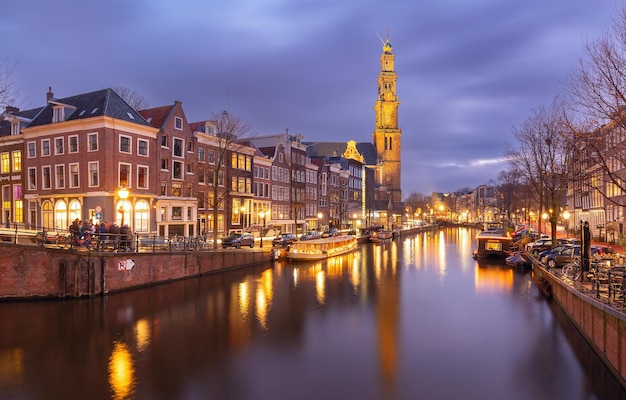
(262, 216)
(123, 195)
(566, 218)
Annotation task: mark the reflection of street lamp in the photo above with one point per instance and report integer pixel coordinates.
(262, 216)
(123, 195)
(319, 220)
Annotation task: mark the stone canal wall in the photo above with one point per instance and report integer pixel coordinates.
(603, 326)
(31, 272)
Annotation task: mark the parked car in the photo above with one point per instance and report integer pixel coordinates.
(331, 232)
(310, 235)
(546, 245)
(284, 239)
(554, 250)
(569, 254)
(539, 242)
(237, 240)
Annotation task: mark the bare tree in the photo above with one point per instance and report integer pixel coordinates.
(544, 159)
(228, 130)
(597, 93)
(416, 202)
(8, 89)
(132, 97)
(510, 188)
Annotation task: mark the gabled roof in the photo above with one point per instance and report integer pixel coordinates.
(156, 116)
(103, 102)
(269, 151)
(336, 149)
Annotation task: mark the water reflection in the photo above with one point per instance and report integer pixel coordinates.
(493, 276)
(121, 371)
(400, 320)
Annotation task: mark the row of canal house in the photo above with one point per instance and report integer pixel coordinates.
(92, 156)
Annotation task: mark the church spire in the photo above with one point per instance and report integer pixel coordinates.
(387, 135)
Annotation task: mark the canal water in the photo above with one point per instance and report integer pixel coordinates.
(414, 319)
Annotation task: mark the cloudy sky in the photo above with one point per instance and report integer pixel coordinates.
(468, 71)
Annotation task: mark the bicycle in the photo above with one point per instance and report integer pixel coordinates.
(572, 270)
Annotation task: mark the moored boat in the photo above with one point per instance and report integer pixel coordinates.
(493, 242)
(319, 249)
(381, 236)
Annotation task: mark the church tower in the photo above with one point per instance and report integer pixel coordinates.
(387, 136)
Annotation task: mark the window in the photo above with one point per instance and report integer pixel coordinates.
(124, 175)
(164, 141)
(201, 178)
(32, 150)
(190, 146)
(200, 154)
(18, 204)
(233, 160)
(74, 182)
(15, 128)
(45, 147)
(124, 144)
(32, 178)
(248, 163)
(73, 143)
(142, 177)
(92, 138)
(46, 177)
(5, 163)
(210, 157)
(59, 144)
(178, 147)
(142, 147)
(60, 176)
(164, 164)
(163, 191)
(177, 189)
(178, 123)
(177, 170)
(190, 168)
(142, 215)
(17, 161)
(94, 174)
(241, 164)
(58, 114)
(177, 213)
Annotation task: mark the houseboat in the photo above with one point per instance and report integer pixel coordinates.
(381, 236)
(493, 242)
(319, 249)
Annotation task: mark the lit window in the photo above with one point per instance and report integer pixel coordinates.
(17, 161)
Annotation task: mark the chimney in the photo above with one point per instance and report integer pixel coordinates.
(12, 110)
(49, 95)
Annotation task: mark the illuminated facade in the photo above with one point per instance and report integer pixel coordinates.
(387, 135)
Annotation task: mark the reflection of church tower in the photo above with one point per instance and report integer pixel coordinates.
(387, 135)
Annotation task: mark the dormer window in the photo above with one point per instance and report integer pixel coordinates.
(15, 127)
(58, 114)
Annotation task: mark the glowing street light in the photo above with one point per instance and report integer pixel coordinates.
(123, 195)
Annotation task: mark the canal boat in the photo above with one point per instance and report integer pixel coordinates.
(493, 242)
(381, 236)
(319, 249)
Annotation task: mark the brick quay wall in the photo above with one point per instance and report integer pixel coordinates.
(33, 272)
(603, 326)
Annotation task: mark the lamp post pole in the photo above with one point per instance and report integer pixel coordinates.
(262, 215)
